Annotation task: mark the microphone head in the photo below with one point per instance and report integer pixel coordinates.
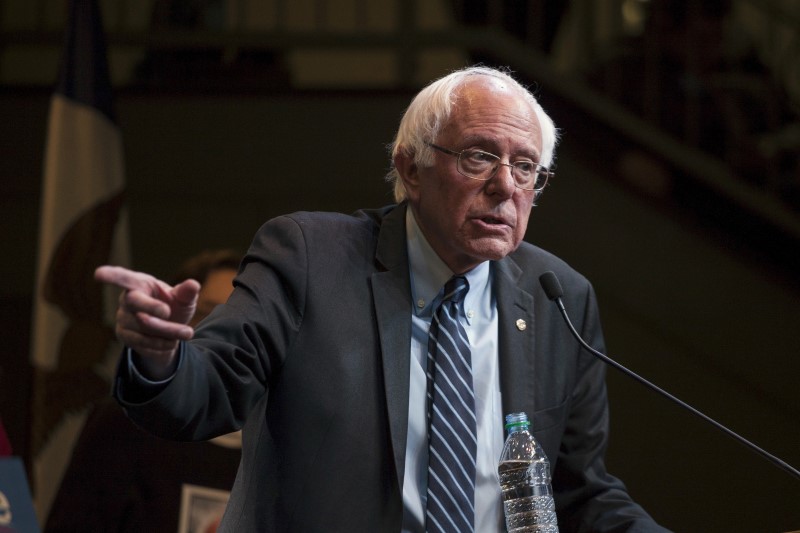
(551, 285)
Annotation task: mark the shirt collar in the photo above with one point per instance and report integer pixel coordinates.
(428, 273)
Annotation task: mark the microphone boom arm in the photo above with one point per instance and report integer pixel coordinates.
(553, 290)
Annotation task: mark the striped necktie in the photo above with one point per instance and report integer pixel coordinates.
(452, 437)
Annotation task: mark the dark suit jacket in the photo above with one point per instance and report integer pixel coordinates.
(312, 350)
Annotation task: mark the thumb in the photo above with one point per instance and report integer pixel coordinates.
(184, 297)
(186, 292)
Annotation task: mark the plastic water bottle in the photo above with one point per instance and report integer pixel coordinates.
(525, 481)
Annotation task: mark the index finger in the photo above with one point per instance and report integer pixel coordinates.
(122, 277)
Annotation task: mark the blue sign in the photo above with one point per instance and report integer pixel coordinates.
(16, 508)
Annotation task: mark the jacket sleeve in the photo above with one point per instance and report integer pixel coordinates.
(236, 351)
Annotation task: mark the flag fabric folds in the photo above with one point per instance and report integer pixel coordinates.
(82, 225)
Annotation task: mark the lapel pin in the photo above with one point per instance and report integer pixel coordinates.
(521, 324)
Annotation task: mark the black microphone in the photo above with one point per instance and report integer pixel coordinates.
(552, 288)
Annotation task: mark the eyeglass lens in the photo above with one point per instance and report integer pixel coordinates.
(481, 165)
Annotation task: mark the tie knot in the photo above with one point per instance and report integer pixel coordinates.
(455, 289)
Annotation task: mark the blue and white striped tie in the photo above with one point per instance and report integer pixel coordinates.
(452, 441)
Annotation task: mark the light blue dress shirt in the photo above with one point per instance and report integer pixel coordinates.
(479, 316)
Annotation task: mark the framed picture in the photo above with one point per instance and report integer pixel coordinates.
(201, 509)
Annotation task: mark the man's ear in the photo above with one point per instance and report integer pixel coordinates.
(408, 172)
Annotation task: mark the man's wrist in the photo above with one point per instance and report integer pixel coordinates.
(148, 372)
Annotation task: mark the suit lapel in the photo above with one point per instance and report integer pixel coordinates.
(515, 337)
(392, 300)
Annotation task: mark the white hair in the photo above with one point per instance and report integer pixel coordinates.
(431, 108)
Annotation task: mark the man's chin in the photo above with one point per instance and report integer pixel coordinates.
(493, 249)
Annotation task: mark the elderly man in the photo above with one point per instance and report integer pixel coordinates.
(329, 351)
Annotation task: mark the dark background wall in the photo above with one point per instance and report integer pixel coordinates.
(686, 304)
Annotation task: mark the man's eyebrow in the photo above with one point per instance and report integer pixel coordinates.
(483, 140)
(476, 139)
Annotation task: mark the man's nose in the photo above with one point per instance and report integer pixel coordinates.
(503, 180)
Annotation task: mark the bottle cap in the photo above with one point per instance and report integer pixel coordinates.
(516, 421)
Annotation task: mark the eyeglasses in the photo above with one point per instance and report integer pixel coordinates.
(480, 165)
